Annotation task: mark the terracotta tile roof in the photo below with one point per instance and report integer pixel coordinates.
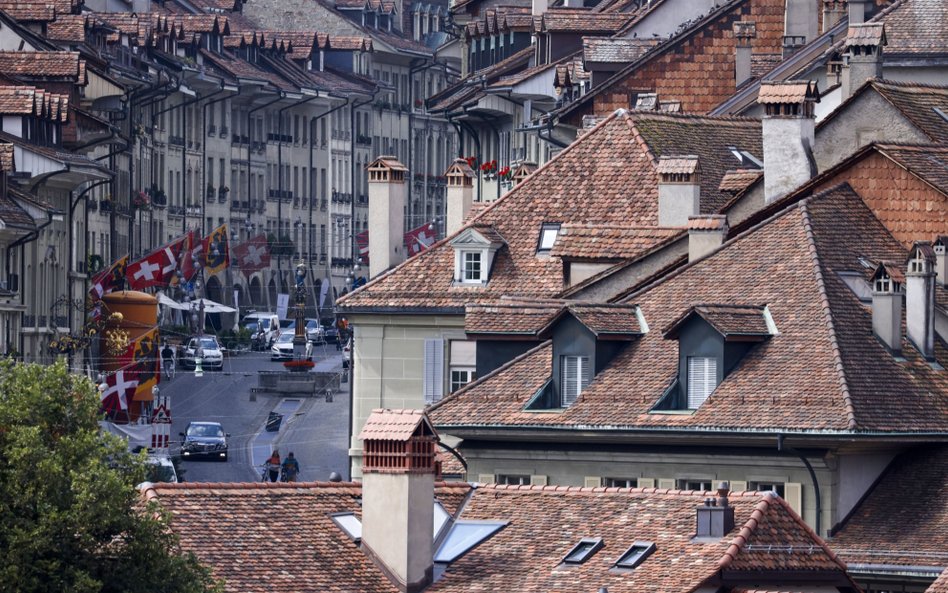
(230, 526)
(558, 20)
(890, 528)
(790, 91)
(17, 100)
(918, 102)
(737, 180)
(583, 241)
(68, 27)
(24, 10)
(509, 318)
(43, 64)
(928, 162)
(677, 165)
(762, 63)
(940, 585)
(450, 466)
(7, 163)
(863, 34)
(391, 425)
(851, 382)
(242, 69)
(610, 50)
(727, 320)
(915, 28)
(12, 214)
(707, 222)
(602, 319)
(605, 195)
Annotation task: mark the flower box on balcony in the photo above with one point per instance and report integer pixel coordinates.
(299, 366)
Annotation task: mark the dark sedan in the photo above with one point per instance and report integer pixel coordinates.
(204, 439)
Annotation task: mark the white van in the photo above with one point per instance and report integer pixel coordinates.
(271, 328)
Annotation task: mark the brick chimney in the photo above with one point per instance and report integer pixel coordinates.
(864, 43)
(788, 128)
(460, 194)
(887, 283)
(679, 190)
(387, 197)
(833, 11)
(398, 472)
(715, 518)
(941, 260)
(744, 33)
(920, 298)
(705, 234)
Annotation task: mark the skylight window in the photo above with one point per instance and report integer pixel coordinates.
(349, 523)
(463, 536)
(548, 234)
(583, 551)
(746, 159)
(441, 517)
(635, 555)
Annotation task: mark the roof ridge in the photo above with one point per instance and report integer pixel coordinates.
(806, 527)
(699, 494)
(723, 119)
(489, 375)
(825, 305)
(747, 530)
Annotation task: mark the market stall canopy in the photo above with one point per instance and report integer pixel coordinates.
(209, 305)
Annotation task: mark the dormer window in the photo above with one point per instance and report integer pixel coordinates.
(474, 252)
(548, 234)
(576, 376)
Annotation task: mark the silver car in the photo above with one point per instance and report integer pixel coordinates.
(211, 354)
(282, 349)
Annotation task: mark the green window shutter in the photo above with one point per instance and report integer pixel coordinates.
(592, 481)
(793, 494)
(646, 483)
(485, 478)
(538, 480)
(666, 484)
(738, 486)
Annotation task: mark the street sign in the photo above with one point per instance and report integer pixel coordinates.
(283, 305)
(161, 425)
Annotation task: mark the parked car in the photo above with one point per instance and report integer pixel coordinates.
(204, 439)
(282, 349)
(271, 328)
(212, 354)
(347, 354)
(314, 330)
(160, 469)
(331, 334)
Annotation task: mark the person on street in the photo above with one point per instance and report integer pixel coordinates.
(291, 468)
(273, 466)
(167, 355)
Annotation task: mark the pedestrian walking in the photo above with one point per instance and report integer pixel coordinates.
(273, 466)
(291, 468)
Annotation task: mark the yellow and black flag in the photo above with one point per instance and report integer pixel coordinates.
(216, 251)
(145, 364)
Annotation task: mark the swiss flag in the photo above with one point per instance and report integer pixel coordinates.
(253, 255)
(155, 269)
(192, 252)
(419, 239)
(108, 280)
(118, 390)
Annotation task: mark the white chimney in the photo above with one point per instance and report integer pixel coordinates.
(460, 194)
(744, 33)
(705, 234)
(679, 190)
(788, 129)
(387, 197)
(539, 7)
(800, 23)
(864, 43)
(857, 11)
(920, 298)
(398, 472)
(833, 11)
(887, 282)
(941, 260)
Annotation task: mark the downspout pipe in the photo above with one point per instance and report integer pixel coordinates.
(784, 448)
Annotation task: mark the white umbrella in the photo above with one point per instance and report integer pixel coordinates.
(209, 305)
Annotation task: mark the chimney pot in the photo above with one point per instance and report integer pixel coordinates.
(705, 234)
(864, 42)
(920, 298)
(679, 190)
(387, 197)
(460, 194)
(887, 282)
(788, 133)
(744, 32)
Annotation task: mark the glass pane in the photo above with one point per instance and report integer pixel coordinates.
(462, 537)
(440, 518)
(350, 524)
(579, 553)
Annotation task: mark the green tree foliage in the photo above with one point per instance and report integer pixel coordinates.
(71, 518)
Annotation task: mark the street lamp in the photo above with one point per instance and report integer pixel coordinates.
(299, 336)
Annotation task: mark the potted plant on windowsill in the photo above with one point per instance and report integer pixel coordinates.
(299, 366)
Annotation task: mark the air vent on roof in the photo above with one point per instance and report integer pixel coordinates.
(584, 550)
(635, 555)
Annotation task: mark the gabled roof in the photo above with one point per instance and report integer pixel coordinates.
(888, 528)
(394, 425)
(228, 527)
(579, 241)
(68, 27)
(791, 263)
(940, 585)
(568, 20)
(915, 28)
(619, 187)
(46, 65)
(615, 50)
(731, 321)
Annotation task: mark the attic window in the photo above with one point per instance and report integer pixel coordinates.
(576, 376)
(584, 550)
(465, 535)
(548, 234)
(702, 379)
(635, 555)
(350, 524)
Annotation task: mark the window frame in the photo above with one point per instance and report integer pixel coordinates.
(546, 228)
(508, 479)
(687, 484)
(455, 385)
(711, 378)
(613, 482)
(769, 486)
(594, 545)
(463, 272)
(627, 561)
(583, 378)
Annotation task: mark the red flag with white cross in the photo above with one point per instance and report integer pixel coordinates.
(253, 255)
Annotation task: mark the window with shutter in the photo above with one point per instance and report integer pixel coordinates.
(575, 373)
(702, 378)
(434, 370)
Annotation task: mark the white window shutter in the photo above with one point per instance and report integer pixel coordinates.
(485, 478)
(538, 480)
(666, 484)
(646, 482)
(434, 370)
(793, 494)
(592, 481)
(702, 378)
(738, 486)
